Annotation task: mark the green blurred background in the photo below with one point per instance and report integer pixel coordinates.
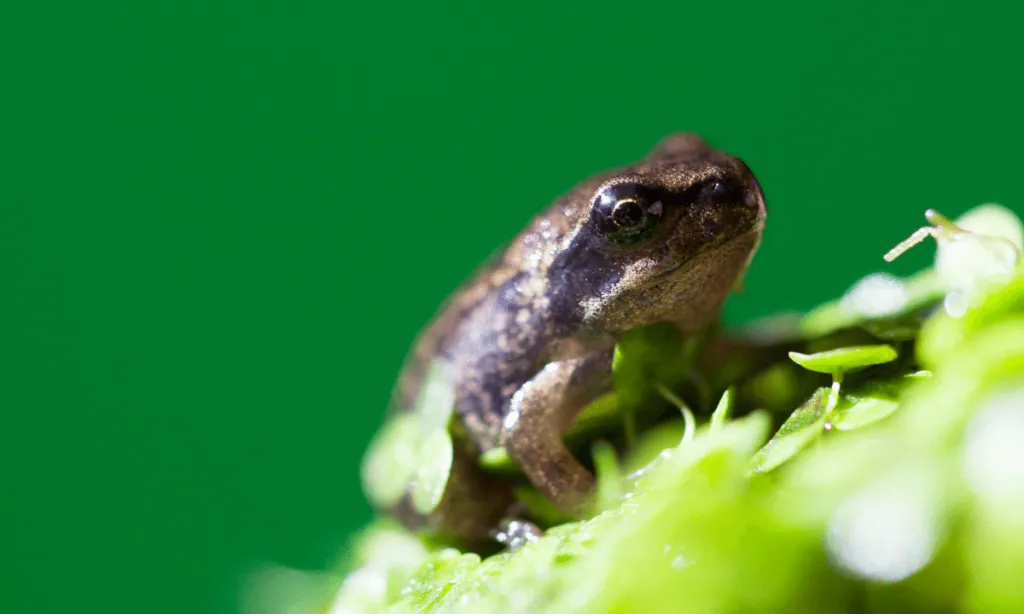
(222, 223)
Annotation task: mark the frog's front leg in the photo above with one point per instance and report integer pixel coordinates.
(541, 412)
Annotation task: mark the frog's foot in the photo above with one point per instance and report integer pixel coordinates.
(473, 503)
(540, 414)
(514, 533)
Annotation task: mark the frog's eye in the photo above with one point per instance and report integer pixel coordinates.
(721, 192)
(627, 213)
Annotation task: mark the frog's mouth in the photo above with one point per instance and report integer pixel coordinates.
(726, 245)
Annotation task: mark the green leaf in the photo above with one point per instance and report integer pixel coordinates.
(435, 464)
(943, 334)
(971, 264)
(872, 402)
(642, 357)
(901, 328)
(723, 412)
(386, 544)
(845, 359)
(805, 425)
(436, 400)
(874, 299)
(608, 474)
(985, 255)
(412, 451)
(995, 221)
(777, 388)
(652, 443)
(540, 507)
(689, 425)
(646, 355)
(689, 422)
(391, 460)
(602, 412)
(438, 575)
(497, 460)
(855, 412)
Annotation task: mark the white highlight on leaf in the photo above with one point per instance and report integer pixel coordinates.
(876, 295)
(365, 587)
(679, 558)
(994, 220)
(993, 453)
(887, 532)
(967, 261)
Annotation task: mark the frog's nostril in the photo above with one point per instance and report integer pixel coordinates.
(751, 198)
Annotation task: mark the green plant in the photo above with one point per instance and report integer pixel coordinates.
(896, 485)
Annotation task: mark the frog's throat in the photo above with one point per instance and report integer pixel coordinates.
(628, 301)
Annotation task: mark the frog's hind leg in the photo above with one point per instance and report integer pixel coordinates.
(541, 412)
(474, 502)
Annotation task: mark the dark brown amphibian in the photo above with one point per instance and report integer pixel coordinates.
(528, 341)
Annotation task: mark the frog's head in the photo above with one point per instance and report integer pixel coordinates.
(664, 240)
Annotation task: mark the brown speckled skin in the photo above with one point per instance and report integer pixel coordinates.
(528, 339)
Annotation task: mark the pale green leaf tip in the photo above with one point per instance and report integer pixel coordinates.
(431, 478)
(723, 411)
(496, 459)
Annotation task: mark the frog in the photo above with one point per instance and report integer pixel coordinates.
(528, 341)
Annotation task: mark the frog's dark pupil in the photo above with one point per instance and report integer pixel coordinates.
(725, 192)
(627, 213)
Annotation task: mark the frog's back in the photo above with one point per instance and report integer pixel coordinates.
(472, 319)
(436, 341)
(463, 322)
